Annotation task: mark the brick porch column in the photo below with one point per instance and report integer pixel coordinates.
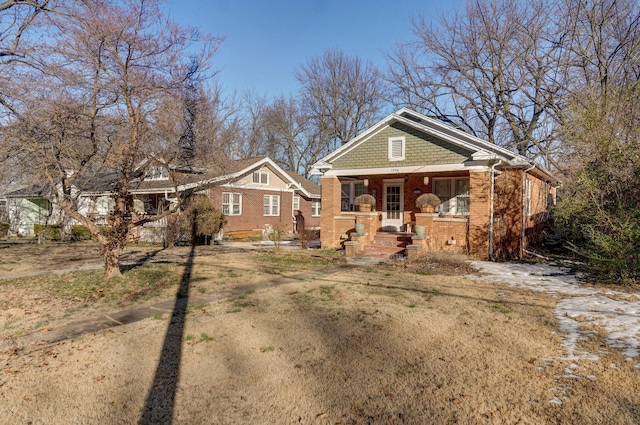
(426, 220)
(370, 221)
(330, 189)
(479, 210)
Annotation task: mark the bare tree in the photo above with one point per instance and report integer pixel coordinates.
(93, 103)
(341, 94)
(604, 45)
(493, 69)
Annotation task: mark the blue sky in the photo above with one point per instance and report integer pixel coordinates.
(266, 41)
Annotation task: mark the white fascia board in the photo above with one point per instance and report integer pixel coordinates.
(440, 168)
(356, 140)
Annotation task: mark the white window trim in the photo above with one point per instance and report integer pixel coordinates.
(260, 174)
(231, 204)
(390, 149)
(296, 200)
(156, 173)
(527, 194)
(271, 205)
(316, 208)
(452, 188)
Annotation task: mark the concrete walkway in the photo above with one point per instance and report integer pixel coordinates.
(124, 317)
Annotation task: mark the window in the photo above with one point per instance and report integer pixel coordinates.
(315, 208)
(396, 149)
(349, 192)
(271, 205)
(260, 177)
(231, 203)
(454, 194)
(296, 203)
(157, 173)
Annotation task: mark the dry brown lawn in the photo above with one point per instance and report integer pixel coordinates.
(356, 345)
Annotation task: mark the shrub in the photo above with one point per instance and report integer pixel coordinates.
(51, 232)
(365, 199)
(428, 199)
(80, 233)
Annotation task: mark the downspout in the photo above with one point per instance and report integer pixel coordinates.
(491, 208)
(524, 199)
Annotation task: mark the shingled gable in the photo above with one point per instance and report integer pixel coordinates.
(440, 146)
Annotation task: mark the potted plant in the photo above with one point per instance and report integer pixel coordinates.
(427, 202)
(364, 202)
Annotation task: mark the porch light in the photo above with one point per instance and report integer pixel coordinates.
(426, 181)
(406, 177)
(366, 182)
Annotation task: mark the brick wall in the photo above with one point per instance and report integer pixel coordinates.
(252, 216)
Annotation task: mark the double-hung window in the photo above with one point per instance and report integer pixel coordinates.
(261, 177)
(350, 190)
(271, 205)
(231, 203)
(296, 203)
(454, 194)
(315, 208)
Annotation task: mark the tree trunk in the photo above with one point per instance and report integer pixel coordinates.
(111, 262)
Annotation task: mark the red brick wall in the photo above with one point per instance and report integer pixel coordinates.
(252, 216)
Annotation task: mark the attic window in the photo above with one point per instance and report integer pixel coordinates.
(396, 149)
(157, 173)
(260, 177)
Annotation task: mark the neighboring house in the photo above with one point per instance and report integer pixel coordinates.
(258, 193)
(494, 202)
(29, 206)
(253, 193)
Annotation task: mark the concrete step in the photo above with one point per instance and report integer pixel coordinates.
(387, 251)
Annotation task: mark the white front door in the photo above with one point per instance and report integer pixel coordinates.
(393, 205)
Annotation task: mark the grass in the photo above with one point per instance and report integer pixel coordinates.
(436, 263)
(267, 349)
(140, 283)
(501, 308)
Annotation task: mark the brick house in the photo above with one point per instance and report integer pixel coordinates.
(258, 193)
(494, 202)
(252, 193)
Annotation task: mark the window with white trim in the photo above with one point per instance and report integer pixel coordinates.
(231, 203)
(454, 194)
(396, 149)
(350, 190)
(156, 173)
(315, 208)
(261, 177)
(271, 205)
(296, 203)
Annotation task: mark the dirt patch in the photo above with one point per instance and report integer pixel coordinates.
(359, 346)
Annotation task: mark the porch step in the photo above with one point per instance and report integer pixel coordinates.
(387, 244)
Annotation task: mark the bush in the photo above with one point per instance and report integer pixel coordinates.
(365, 199)
(199, 218)
(4, 230)
(428, 199)
(50, 232)
(80, 233)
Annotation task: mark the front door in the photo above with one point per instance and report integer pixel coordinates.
(393, 205)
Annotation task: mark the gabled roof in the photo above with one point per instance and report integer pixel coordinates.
(481, 149)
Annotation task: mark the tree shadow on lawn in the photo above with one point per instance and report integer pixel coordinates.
(160, 401)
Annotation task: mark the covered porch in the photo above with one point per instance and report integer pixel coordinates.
(460, 223)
